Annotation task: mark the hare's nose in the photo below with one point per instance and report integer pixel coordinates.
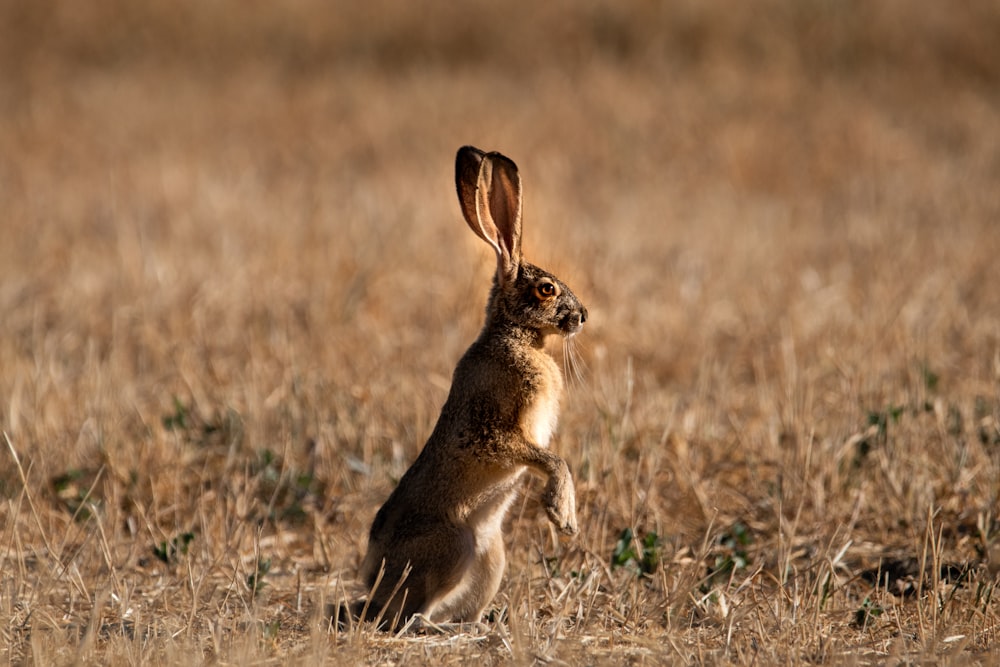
(583, 314)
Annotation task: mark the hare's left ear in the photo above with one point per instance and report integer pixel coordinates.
(489, 192)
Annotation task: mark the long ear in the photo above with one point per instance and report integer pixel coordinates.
(467, 164)
(491, 204)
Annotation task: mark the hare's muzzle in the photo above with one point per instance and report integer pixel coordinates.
(573, 322)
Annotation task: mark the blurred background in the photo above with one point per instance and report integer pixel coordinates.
(638, 124)
(234, 282)
(781, 215)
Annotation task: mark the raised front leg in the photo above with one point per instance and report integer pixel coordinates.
(559, 496)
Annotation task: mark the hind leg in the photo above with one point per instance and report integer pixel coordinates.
(490, 566)
(480, 582)
(437, 559)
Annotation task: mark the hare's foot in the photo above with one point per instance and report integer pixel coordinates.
(420, 624)
(560, 503)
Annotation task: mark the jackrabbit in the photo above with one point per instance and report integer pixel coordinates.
(436, 545)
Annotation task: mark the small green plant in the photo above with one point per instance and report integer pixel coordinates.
(272, 630)
(167, 551)
(638, 556)
(930, 378)
(255, 580)
(223, 428)
(552, 565)
(825, 590)
(179, 418)
(287, 492)
(866, 613)
(882, 418)
(732, 555)
(67, 480)
(73, 489)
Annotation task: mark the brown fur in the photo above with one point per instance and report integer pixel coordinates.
(444, 519)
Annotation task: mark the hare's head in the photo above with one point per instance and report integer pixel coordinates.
(489, 192)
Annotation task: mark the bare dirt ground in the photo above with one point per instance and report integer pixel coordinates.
(234, 282)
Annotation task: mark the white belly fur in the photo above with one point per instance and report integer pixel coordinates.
(487, 521)
(540, 418)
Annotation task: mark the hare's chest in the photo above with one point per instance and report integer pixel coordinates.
(540, 415)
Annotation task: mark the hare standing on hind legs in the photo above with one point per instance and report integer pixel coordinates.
(442, 526)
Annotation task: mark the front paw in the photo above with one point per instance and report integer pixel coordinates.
(560, 505)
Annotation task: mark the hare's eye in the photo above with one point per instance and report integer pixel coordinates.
(545, 290)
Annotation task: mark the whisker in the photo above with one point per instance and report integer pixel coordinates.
(567, 364)
(581, 364)
(570, 368)
(575, 368)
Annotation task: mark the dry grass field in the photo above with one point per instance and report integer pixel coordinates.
(234, 282)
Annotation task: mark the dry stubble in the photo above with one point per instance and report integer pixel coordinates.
(235, 282)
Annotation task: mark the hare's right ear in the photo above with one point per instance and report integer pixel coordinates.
(489, 192)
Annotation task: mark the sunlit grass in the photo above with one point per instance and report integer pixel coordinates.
(234, 282)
